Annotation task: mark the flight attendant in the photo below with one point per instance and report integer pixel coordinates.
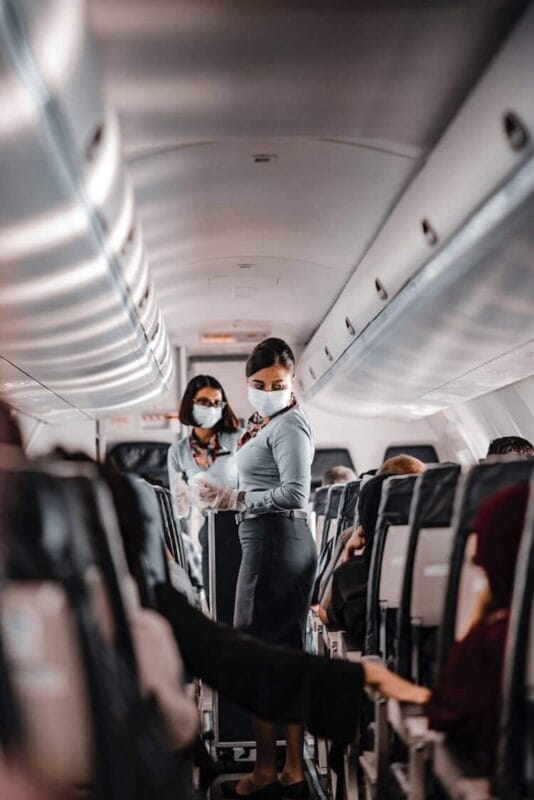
(209, 448)
(278, 564)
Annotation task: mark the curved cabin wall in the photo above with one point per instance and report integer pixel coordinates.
(439, 309)
(80, 326)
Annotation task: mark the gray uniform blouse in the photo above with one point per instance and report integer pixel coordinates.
(275, 466)
(223, 470)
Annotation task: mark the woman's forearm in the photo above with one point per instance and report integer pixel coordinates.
(391, 685)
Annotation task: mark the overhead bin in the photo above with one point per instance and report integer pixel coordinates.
(78, 313)
(439, 310)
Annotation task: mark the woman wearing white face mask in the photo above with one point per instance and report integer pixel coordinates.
(279, 557)
(208, 449)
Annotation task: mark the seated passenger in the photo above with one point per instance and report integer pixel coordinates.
(510, 445)
(338, 475)
(397, 465)
(345, 605)
(466, 700)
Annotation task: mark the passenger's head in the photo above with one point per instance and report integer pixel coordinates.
(498, 526)
(205, 405)
(338, 475)
(510, 445)
(402, 464)
(270, 372)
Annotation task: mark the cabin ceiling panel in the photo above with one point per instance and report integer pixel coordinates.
(229, 239)
(385, 73)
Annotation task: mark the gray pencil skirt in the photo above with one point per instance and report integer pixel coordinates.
(275, 579)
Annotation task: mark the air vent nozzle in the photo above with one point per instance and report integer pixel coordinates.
(381, 289)
(264, 158)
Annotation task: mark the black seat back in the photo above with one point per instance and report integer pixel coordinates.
(431, 512)
(474, 489)
(139, 518)
(345, 519)
(349, 505)
(333, 505)
(58, 520)
(148, 460)
(320, 500)
(393, 516)
(172, 536)
(335, 498)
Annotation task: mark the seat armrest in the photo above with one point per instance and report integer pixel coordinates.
(354, 655)
(371, 692)
(408, 721)
(456, 775)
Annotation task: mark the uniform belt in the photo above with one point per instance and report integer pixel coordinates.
(296, 513)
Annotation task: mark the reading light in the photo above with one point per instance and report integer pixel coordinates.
(218, 338)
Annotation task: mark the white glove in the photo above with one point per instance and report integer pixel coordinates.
(210, 496)
(181, 499)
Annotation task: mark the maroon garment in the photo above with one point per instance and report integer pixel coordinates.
(466, 700)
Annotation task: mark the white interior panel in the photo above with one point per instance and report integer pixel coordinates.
(73, 280)
(448, 316)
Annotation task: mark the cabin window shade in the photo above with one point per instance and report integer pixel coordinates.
(326, 457)
(424, 452)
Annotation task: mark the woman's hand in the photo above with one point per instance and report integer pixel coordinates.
(181, 499)
(210, 496)
(390, 685)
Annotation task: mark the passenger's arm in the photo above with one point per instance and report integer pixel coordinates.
(292, 451)
(274, 683)
(355, 542)
(324, 606)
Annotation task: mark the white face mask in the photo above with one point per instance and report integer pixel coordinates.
(206, 416)
(269, 403)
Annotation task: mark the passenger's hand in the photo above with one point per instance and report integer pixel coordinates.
(181, 499)
(354, 543)
(210, 496)
(323, 615)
